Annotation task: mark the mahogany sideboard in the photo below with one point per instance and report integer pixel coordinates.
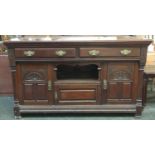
(77, 76)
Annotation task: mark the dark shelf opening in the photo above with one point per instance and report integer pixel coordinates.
(65, 72)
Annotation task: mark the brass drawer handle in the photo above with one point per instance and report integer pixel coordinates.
(60, 53)
(125, 52)
(29, 53)
(93, 52)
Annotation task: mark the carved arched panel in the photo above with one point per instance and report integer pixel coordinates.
(120, 78)
(34, 72)
(35, 88)
(122, 71)
(119, 75)
(33, 76)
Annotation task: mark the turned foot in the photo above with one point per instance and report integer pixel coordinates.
(17, 112)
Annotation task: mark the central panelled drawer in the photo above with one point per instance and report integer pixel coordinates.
(76, 92)
(103, 52)
(45, 52)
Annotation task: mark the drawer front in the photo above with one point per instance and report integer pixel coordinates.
(103, 52)
(72, 94)
(45, 52)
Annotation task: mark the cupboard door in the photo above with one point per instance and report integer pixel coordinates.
(121, 81)
(35, 79)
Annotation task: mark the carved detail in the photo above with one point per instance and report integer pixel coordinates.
(120, 72)
(120, 75)
(3, 49)
(143, 56)
(33, 76)
(11, 57)
(17, 111)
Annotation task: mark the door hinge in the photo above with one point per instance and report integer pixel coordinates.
(105, 84)
(49, 85)
(56, 96)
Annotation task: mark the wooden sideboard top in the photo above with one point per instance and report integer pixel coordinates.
(119, 43)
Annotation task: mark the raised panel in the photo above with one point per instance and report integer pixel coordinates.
(112, 90)
(35, 93)
(41, 91)
(35, 79)
(28, 91)
(120, 90)
(120, 77)
(78, 94)
(127, 88)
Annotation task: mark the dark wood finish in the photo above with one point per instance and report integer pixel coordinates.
(44, 52)
(77, 92)
(78, 82)
(34, 88)
(145, 83)
(108, 52)
(121, 82)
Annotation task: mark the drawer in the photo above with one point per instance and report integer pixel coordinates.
(77, 93)
(45, 52)
(103, 52)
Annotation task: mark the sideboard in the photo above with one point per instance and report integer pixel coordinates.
(77, 76)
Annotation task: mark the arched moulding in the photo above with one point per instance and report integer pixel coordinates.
(120, 75)
(33, 76)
